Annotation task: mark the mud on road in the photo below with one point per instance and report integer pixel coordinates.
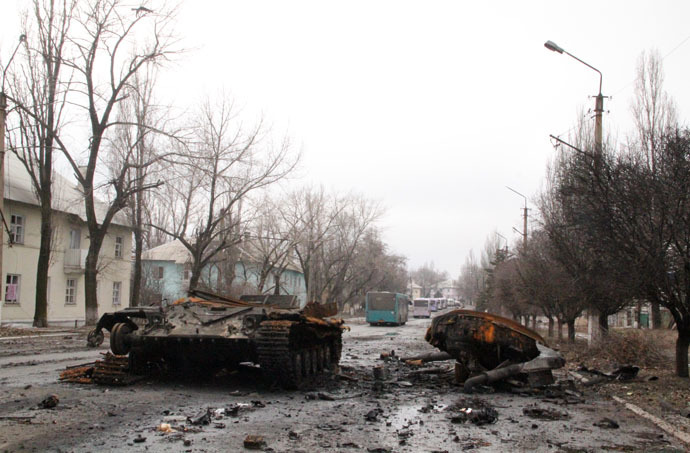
(411, 411)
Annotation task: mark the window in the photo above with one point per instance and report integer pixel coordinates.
(12, 288)
(187, 274)
(159, 274)
(17, 229)
(74, 238)
(117, 287)
(71, 292)
(118, 247)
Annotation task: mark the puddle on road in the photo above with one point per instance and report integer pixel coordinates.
(406, 416)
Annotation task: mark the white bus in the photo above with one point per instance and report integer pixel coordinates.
(422, 308)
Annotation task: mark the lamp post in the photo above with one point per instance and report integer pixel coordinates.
(594, 331)
(524, 217)
(598, 103)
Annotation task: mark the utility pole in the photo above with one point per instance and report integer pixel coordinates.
(594, 318)
(524, 217)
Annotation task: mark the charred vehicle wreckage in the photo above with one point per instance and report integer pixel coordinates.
(205, 331)
(489, 348)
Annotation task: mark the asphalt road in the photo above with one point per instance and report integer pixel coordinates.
(411, 413)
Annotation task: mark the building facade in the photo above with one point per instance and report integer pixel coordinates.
(166, 272)
(70, 244)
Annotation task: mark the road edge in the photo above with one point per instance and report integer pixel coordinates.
(680, 435)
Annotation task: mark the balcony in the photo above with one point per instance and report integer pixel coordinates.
(75, 260)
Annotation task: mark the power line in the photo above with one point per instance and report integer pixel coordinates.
(678, 46)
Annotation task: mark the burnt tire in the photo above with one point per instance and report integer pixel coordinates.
(95, 338)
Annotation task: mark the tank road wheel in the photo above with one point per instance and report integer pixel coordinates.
(327, 363)
(314, 361)
(117, 338)
(336, 349)
(295, 374)
(321, 352)
(306, 363)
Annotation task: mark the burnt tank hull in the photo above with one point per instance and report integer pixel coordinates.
(206, 331)
(490, 347)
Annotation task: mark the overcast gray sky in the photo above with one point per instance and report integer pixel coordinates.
(430, 107)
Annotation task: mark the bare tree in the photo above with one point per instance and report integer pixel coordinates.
(641, 222)
(137, 143)
(351, 225)
(545, 284)
(217, 170)
(106, 46)
(654, 113)
(472, 280)
(428, 277)
(309, 213)
(271, 244)
(41, 85)
(653, 110)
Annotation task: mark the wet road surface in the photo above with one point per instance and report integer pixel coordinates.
(412, 413)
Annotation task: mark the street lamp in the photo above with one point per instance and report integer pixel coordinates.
(599, 100)
(524, 227)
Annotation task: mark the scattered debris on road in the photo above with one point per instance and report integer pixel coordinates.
(49, 402)
(544, 413)
(111, 370)
(253, 442)
(607, 423)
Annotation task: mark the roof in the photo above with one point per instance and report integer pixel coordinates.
(176, 252)
(173, 251)
(67, 197)
(447, 284)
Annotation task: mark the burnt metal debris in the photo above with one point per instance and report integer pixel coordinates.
(205, 331)
(489, 348)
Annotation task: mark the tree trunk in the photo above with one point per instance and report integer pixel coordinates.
(276, 289)
(135, 296)
(551, 326)
(603, 323)
(41, 309)
(90, 277)
(571, 331)
(91, 288)
(534, 322)
(638, 314)
(656, 315)
(560, 329)
(194, 278)
(682, 343)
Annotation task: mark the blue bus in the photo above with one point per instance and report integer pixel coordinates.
(386, 308)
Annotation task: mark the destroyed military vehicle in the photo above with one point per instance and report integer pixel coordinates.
(206, 331)
(488, 348)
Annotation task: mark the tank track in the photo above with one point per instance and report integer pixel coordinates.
(290, 364)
